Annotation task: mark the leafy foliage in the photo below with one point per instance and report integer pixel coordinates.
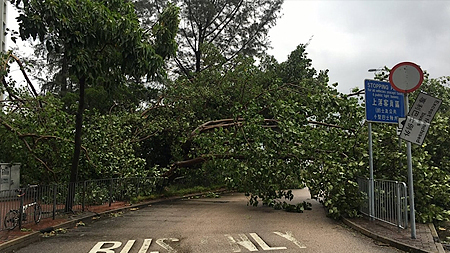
(102, 42)
(259, 128)
(41, 139)
(266, 128)
(233, 27)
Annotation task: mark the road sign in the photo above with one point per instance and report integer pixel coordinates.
(419, 118)
(383, 103)
(401, 124)
(406, 77)
(425, 107)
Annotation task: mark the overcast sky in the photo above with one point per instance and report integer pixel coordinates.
(350, 37)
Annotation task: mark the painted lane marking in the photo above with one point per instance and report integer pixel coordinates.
(145, 246)
(243, 241)
(263, 244)
(291, 238)
(128, 246)
(98, 248)
(166, 246)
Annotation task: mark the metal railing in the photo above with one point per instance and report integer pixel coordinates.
(390, 201)
(53, 199)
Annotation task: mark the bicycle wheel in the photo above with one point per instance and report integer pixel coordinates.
(11, 219)
(37, 213)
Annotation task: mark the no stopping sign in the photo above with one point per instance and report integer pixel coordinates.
(406, 77)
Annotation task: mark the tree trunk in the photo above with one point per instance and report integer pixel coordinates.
(77, 148)
(198, 53)
(198, 58)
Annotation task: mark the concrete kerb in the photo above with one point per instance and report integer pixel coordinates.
(392, 242)
(36, 236)
(436, 238)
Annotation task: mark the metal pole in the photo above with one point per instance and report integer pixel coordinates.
(371, 184)
(54, 201)
(111, 181)
(21, 213)
(410, 178)
(398, 205)
(83, 198)
(400, 150)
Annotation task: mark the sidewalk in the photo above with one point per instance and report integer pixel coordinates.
(427, 240)
(426, 236)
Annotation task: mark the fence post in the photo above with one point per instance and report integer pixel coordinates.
(399, 206)
(55, 189)
(21, 211)
(405, 205)
(83, 197)
(110, 191)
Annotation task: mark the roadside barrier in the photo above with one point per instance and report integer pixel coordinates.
(74, 197)
(390, 201)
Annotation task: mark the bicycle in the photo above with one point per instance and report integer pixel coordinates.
(15, 217)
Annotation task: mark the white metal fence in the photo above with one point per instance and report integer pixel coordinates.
(390, 201)
(53, 198)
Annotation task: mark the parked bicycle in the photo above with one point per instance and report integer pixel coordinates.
(15, 217)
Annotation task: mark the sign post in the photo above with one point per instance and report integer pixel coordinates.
(383, 105)
(407, 77)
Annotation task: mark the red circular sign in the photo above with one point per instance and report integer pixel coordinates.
(406, 77)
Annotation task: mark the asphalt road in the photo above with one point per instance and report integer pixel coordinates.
(212, 225)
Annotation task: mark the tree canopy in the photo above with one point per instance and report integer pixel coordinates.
(102, 44)
(233, 27)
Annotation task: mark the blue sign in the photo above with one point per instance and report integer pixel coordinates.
(383, 103)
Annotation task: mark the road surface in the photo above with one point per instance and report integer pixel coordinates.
(212, 225)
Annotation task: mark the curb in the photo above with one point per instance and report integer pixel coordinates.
(391, 242)
(36, 236)
(436, 238)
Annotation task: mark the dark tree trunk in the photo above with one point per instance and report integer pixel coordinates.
(198, 58)
(77, 149)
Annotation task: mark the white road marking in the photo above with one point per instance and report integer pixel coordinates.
(98, 247)
(236, 244)
(244, 242)
(128, 246)
(166, 246)
(145, 246)
(263, 244)
(291, 238)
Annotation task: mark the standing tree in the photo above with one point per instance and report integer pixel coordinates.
(103, 44)
(232, 26)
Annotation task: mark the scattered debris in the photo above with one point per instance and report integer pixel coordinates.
(299, 208)
(116, 214)
(80, 224)
(55, 232)
(212, 195)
